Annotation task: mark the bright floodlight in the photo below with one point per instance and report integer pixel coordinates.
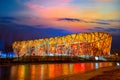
(96, 58)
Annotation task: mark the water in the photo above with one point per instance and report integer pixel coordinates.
(48, 71)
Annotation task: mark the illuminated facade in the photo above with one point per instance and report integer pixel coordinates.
(81, 44)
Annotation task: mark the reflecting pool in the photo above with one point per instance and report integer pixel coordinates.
(47, 71)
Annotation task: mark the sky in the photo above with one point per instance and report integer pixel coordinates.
(34, 19)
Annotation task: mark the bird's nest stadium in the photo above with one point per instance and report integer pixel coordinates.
(80, 44)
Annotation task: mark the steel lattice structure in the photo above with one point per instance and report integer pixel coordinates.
(90, 43)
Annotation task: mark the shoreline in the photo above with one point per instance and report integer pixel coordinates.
(91, 75)
(50, 59)
(49, 62)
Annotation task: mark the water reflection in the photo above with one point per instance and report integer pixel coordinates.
(96, 66)
(47, 71)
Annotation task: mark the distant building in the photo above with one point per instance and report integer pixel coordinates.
(81, 44)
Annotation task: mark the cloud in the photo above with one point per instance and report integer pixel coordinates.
(51, 11)
(85, 21)
(104, 23)
(45, 3)
(112, 30)
(69, 19)
(24, 20)
(108, 20)
(114, 20)
(31, 5)
(105, 0)
(99, 21)
(7, 19)
(10, 18)
(98, 28)
(65, 1)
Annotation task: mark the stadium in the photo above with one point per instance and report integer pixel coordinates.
(80, 44)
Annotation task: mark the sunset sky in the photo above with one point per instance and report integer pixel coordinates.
(34, 19)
